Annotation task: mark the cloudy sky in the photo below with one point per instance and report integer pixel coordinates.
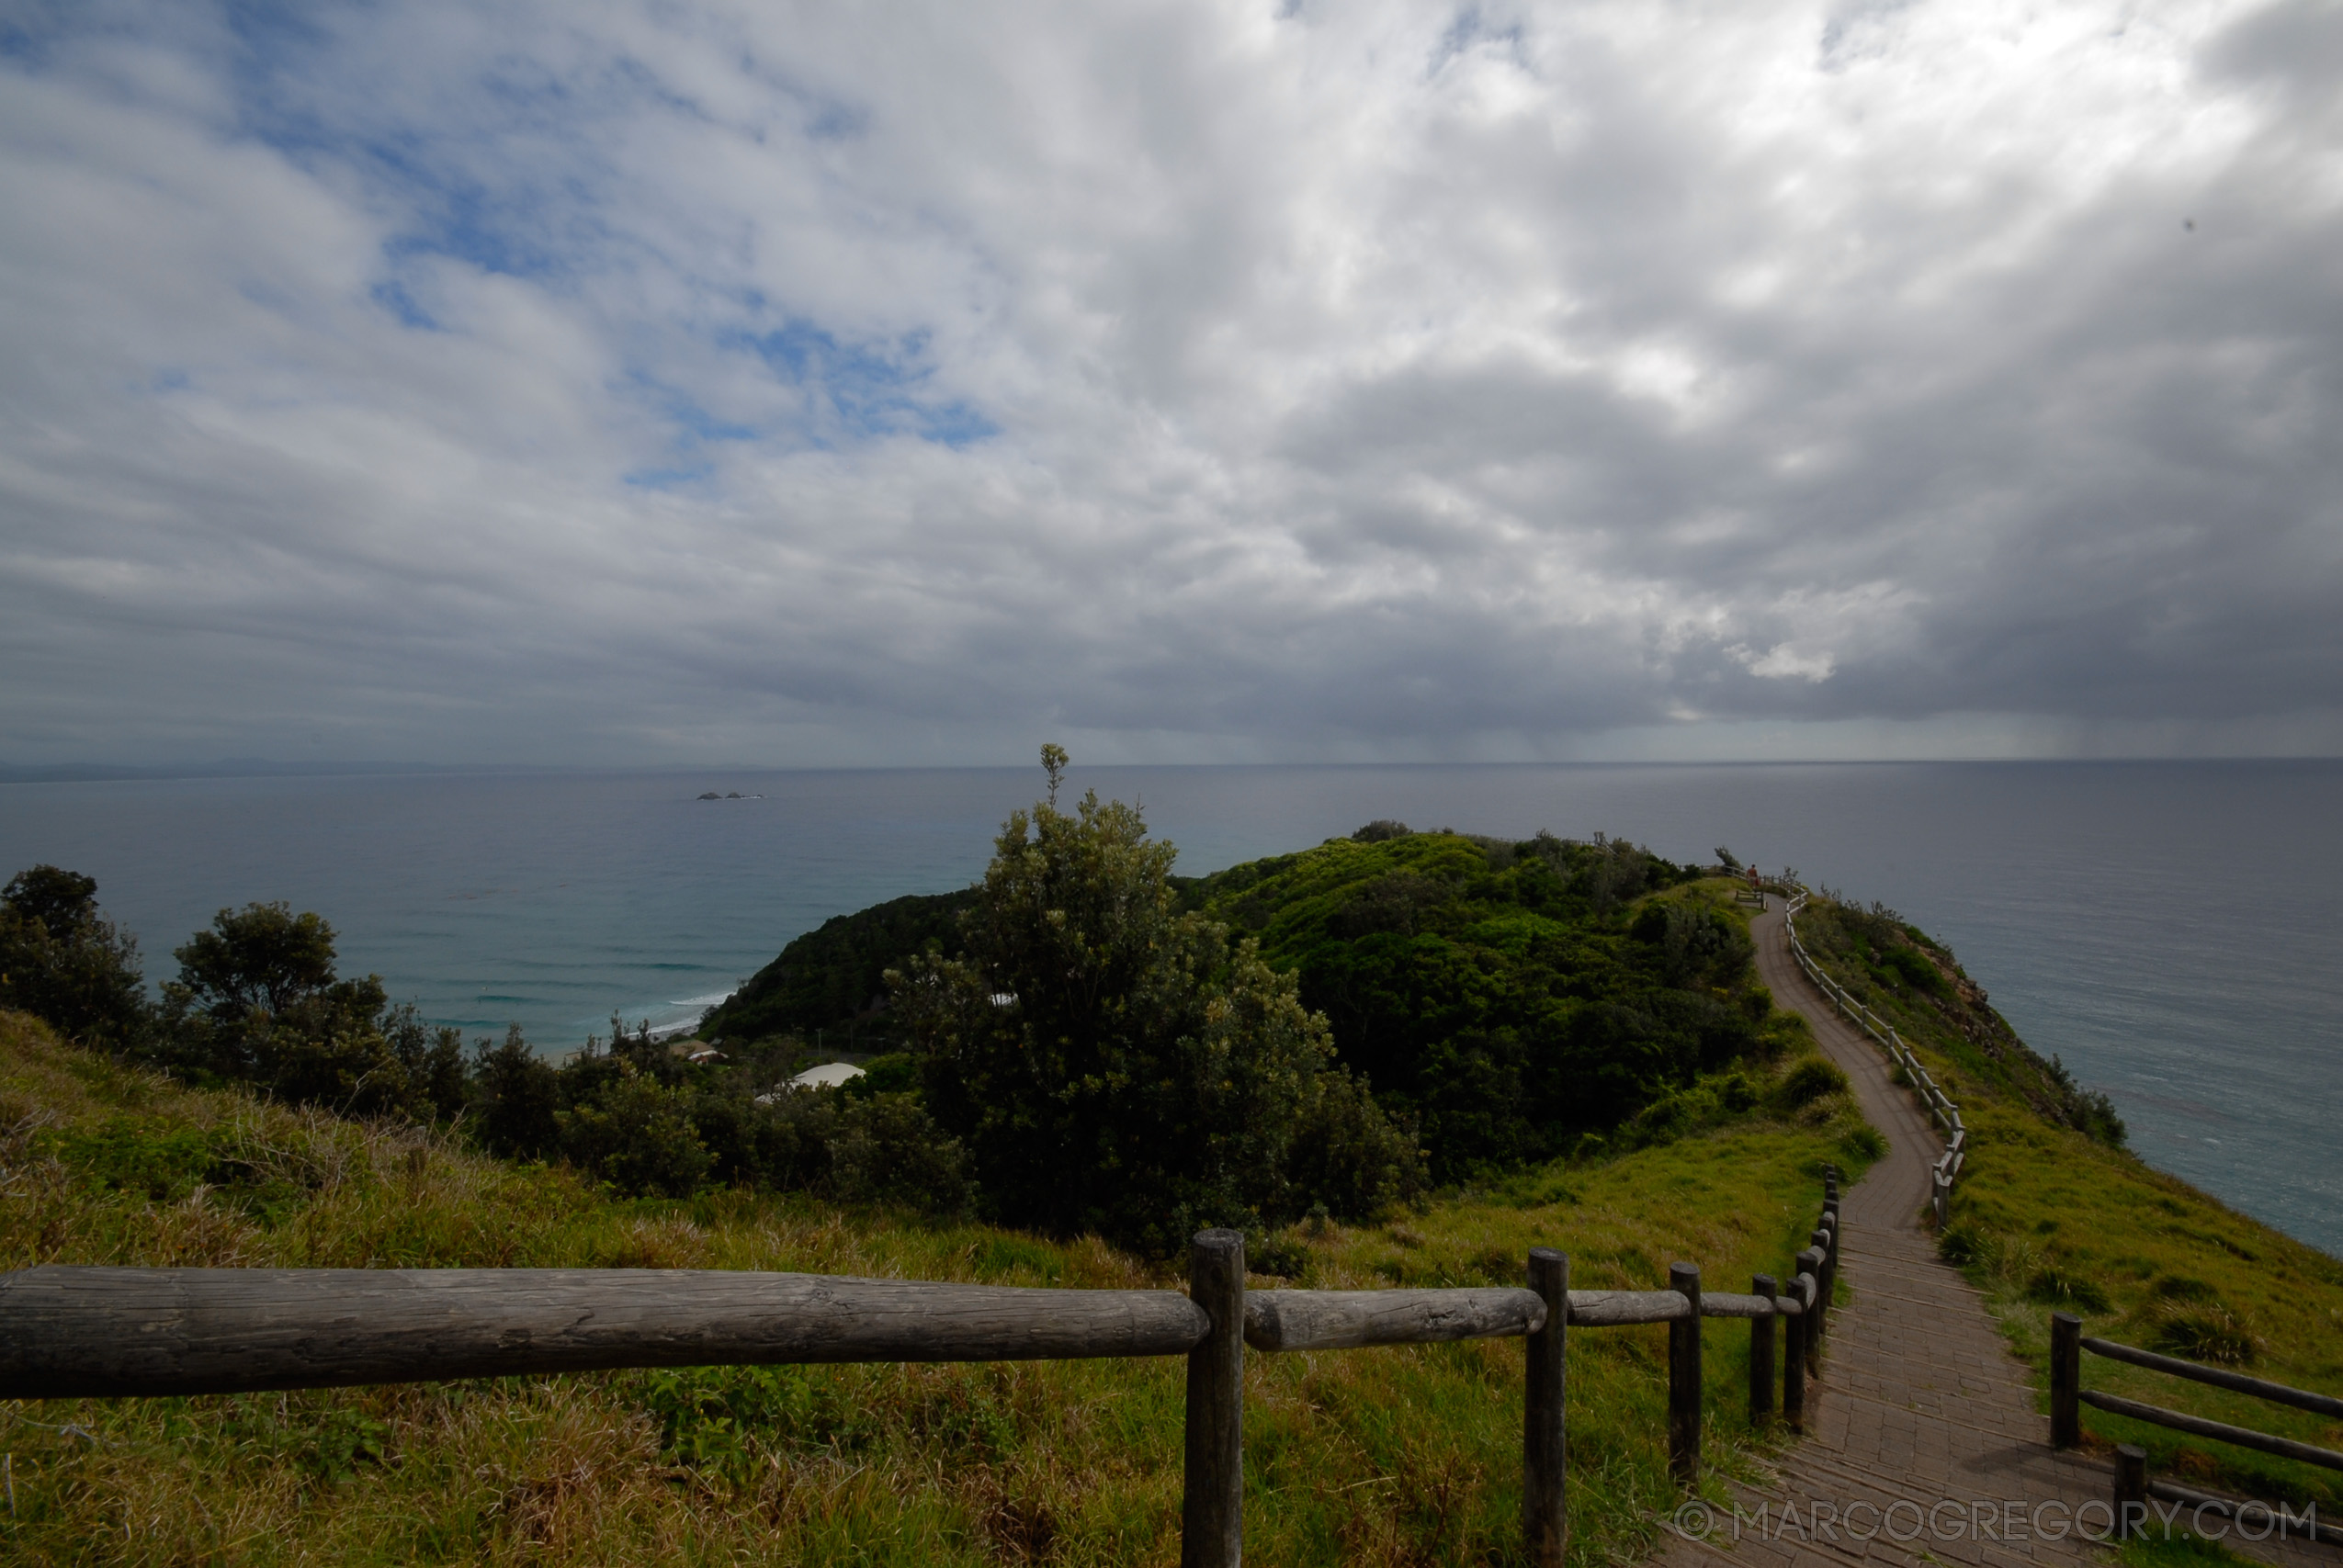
(595, 382)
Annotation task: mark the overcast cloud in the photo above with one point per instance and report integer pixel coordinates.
(592, 380)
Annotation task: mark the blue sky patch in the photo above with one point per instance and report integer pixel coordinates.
(871, 389)
(392, 296)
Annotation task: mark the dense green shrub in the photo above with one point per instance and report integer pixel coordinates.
(1809, 1081)
(257, 1002)
(1113, 1064)
(637, 1135)
(1488, 990)
(887, 1149)
(68, 965)
(1914, 969)
(516, 1096)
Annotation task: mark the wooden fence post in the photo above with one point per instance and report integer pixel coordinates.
(1831, 1259)
(1810, 1262)
(1818, 1240)
(1761, 1356)
(1684, 1377)
(1794, 1373)
(1546, 1523)
(1212, 1511)
(2131, 1492)
(2066, 1380)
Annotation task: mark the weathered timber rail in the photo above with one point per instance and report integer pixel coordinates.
(2132, 1485)
(100, 1332)
(1933, 1100)
(68, 1332)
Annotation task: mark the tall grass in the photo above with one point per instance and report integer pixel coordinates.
(1387, 1456)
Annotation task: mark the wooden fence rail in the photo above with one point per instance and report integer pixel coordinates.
(1932, 1098)
(67, 1333)
(2133, 1486)
(99, 1332)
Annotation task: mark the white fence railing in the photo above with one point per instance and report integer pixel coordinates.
(1941, 1108)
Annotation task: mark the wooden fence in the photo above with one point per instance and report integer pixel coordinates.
(70, 1333)
(1933, 1100)
(2133, 1486)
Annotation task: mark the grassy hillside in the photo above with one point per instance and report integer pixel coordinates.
(2051, 1214)
(1369, 1457)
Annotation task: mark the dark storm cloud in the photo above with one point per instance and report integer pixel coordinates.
(628, 381)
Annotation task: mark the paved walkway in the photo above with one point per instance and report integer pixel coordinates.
(1920, 1402)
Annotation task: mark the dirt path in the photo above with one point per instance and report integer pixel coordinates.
(1919, 1408)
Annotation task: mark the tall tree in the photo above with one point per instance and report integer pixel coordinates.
(261, 957)
(257, 1000)
(1114, 1065)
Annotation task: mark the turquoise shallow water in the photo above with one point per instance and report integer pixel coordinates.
(2168, 929)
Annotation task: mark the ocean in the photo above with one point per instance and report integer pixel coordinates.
(2166, 929)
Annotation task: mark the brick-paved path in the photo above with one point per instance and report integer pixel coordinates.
(1918, 1400)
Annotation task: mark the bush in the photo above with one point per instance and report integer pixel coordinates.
(1694, 947)
(64, 963)
(1914, 969)
(162, 1165)
(887, 1149)
(1279, 1258)
(1810, 1080)
(639, 1137)
(1349, 1157)
(724, 1420)
(257, 1002)
(895, 1073)
(1864, 1142)
(871, 1149)
(515, 1095)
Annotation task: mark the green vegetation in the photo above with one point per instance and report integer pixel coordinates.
(1507, 1002)
(1109, 1056)
(1515, 999)
(2052, 1214)
(257, 1002)
(1116, 1067)
(61, 960)
(1088, 1045)
(1084, 1044)
(831, 984)
(1378, 1457)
